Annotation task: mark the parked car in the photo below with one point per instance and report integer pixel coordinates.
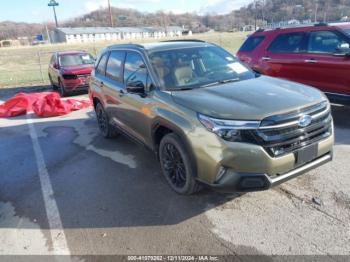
(208, 118)
(316, 55)
(70, 71)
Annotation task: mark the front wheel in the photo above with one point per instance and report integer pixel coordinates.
(53, 86)
(176, 165)
(62, 90)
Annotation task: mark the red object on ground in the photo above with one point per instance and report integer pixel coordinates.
(46, 104)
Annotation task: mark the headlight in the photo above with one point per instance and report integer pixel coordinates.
(230, 130)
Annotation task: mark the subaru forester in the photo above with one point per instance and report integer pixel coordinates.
(208, 118)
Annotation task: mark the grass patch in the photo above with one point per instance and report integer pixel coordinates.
(20, 66)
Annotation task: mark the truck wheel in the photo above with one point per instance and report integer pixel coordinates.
(107, 130)
(177, 166)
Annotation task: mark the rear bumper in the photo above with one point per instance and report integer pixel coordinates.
(248, 182)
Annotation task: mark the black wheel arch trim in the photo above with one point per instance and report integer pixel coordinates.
(161, 122)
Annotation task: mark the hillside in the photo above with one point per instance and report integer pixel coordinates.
(12, 30)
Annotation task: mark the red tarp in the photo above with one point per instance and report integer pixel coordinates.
(46, 104)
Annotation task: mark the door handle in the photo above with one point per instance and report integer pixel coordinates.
(266, 58)
(311, 61)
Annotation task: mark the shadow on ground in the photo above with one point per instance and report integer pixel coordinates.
(92, 187)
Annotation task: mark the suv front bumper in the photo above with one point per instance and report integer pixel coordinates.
(242, 167)
(247, 182)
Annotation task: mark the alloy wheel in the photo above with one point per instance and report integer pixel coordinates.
(174, 166)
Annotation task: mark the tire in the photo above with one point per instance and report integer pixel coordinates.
(53, 86)
(176, 164)
(106, 129)
(63, 91)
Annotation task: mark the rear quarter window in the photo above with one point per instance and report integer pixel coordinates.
(101, 66)
(251, 43)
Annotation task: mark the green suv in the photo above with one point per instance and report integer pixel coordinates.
(208, 118)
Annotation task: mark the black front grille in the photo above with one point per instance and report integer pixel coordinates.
(282, 134)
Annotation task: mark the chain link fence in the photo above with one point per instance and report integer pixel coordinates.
(28, 66)
(18, 70)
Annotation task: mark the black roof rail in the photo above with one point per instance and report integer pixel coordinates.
(260, 30)
(185, 40)
(321, 24)
(126, 45)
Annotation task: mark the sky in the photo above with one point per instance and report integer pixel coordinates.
(38, 11)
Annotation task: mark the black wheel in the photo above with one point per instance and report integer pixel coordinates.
(107, 130)
(177, 166)
(53, 86)
(62, 90)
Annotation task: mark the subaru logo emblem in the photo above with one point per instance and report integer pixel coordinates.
(305, 120)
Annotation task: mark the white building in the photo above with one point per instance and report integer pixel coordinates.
(94, 34)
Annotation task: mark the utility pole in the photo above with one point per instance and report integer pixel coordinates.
(316, 9)
(47, 33)
(53, 3)
(110, 14)
(255, 15)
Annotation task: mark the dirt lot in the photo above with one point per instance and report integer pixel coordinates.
(66, 190)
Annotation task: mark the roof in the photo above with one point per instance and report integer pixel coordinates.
(166, 45)
(71, 52)
(301, 26)
(111, 30)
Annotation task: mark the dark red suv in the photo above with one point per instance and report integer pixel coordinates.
(316, 55)
(70, 71)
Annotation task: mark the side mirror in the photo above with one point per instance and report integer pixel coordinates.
(343, 50)
(56, 66)
(135, 87)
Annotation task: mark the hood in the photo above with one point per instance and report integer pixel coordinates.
(252, 99)
(77, 70)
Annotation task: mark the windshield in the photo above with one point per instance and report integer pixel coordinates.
(76, 59)
(197, 67)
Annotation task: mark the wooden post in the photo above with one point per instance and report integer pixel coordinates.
(41, 69)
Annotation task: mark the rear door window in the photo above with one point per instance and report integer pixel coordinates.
(115, 66)
(251, 43)
(325, 42)
(100, 69)
(288, 43)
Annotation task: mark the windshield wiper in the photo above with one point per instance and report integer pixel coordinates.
(220, 82)
(180, 89)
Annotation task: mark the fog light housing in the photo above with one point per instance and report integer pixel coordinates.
(221, 174)
(253, 183)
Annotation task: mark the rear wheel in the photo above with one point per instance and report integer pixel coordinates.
(177, 166)
(107, 130)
